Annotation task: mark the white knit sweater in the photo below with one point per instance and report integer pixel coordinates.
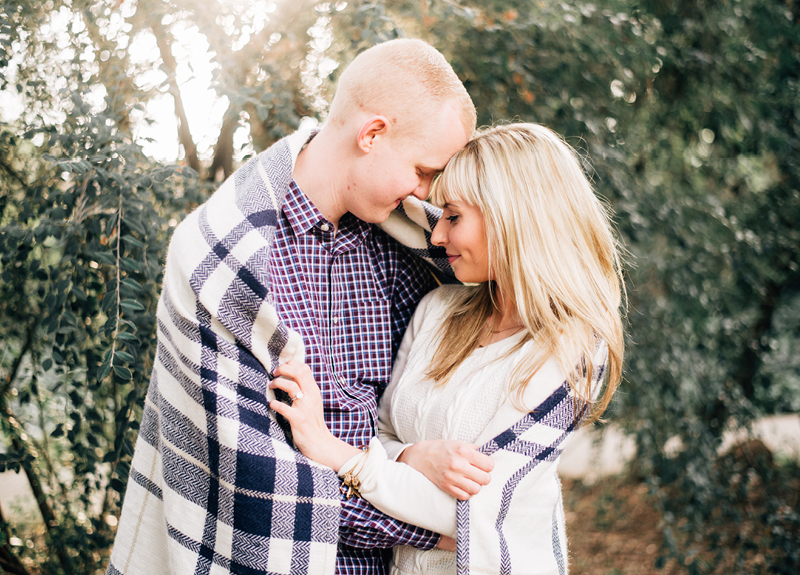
(475, 406)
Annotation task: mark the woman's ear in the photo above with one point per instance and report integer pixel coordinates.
(374, 127)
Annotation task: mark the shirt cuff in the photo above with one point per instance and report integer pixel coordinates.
(394, 448)
(363, 526)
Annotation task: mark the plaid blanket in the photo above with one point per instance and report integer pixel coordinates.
(489, 533)
(215, 487)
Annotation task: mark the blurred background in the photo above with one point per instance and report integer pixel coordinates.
(118, 117)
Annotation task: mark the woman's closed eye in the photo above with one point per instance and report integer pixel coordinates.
(452, 219)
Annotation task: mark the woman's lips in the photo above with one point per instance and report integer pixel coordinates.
(451, 258)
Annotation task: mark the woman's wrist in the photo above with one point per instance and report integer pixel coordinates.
(333, 452)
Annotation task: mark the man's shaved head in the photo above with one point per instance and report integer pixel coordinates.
(404, 80)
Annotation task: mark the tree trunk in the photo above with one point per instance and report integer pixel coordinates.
(258, 132)
(12, 375)
(223, 151)
(184, 135)
(15, 433)
(754, 349)
(49, 518)
(9, 562)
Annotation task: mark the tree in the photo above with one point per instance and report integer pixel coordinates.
(685, 113)
(84, 222)
(83, 229)
(716, 157)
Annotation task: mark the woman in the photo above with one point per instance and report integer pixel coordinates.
(512, 364)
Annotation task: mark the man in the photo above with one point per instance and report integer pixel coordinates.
(282, 263)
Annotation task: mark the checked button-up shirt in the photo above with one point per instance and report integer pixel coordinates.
(350, 293)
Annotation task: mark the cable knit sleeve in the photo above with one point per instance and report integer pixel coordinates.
(391, 443)
(406, 494)
(402, 492)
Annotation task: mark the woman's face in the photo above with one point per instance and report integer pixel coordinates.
(462, 233)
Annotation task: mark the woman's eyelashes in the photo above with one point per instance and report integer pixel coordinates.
(452, 219)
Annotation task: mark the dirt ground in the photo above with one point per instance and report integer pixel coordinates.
(612, 528)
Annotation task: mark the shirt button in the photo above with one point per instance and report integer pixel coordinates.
(335, 319)
(325, 227)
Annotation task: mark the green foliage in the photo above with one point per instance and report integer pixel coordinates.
(688, 113)
(83, 234)
(716, 244)
(82, 238)
(685, 111)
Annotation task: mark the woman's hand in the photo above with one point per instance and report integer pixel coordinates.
(455, 467)
(446, 543)
(306, 416)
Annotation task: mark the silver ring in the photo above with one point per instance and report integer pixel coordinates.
(298, 396)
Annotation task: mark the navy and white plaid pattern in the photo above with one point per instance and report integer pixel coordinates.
(482, 532)
(214, 486)
(350, 295)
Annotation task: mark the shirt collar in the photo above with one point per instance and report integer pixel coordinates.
(301, 213)
(304, 217)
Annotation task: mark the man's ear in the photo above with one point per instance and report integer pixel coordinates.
(375, 126)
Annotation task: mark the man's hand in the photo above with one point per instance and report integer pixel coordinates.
(455, 467)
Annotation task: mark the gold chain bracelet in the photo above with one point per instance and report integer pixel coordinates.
(350, 481)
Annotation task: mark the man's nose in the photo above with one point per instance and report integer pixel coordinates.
(421, 191)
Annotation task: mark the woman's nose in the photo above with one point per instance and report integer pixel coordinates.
(439, 236)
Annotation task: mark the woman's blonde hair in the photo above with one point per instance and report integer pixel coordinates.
(551, 249)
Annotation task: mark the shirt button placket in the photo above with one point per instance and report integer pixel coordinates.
(335, 307)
